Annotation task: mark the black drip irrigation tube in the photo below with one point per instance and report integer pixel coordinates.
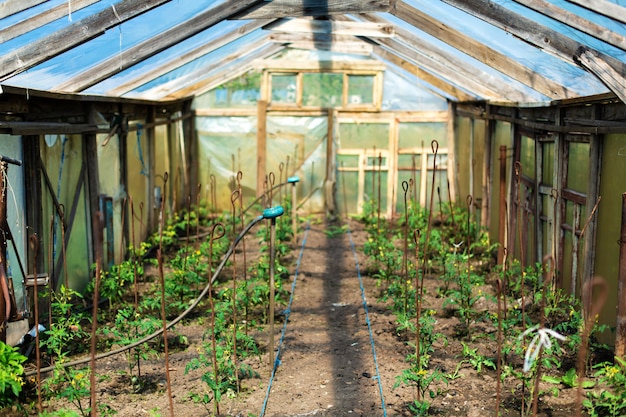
(287, 312)
(267, 214)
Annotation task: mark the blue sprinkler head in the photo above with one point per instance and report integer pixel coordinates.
(293, 180)
(273, 212)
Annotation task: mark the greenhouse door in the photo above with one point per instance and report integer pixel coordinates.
(364, 160)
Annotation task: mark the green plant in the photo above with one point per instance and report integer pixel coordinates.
(568, 379)
(612, 401)
(11, 371)
(475, 359)
(69, 384)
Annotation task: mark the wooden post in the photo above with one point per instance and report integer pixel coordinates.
(501, 232)
(620, 332)
(261, 146)
(5, 301)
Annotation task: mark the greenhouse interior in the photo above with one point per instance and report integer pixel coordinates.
(456, 164)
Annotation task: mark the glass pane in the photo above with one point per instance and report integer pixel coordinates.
(322, 89)
(413, 192)
(376, 161)
(527, 157)
(348, 161)
(364, 135)
(409, 161)
(578, 166)
(242, 92)
(349, 191)
(360, 89)
(421, 135)
(283, 88)
(548, 164)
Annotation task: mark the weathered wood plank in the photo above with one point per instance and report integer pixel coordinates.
(11, 7)
(151, 74)
(481, 52)
(573, 20)
(447, 67)
(325, 42)
(42, 19)
(424, 75)
(154, 45)
(593, 62)
(77, 33)
(299, 8)
(530, 31)
(335, 27)
(607, 8)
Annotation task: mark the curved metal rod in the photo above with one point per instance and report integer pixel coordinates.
(173, 322)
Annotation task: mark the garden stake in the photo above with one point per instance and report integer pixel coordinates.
(162, 281)
(499, 346)
(271, 180)
(469, 199)
(373, 173)
(405, 258)
(555, 195)
(133, 256)
(233, 199)
(187, 232)
(435, 147)
(213, 237)
(63, 249)
(380, 163)
(97, 228)
(272, 213)
(620, 331)
(172, 323)
(197, 241)
(548, 265)
(439, 200)
(213, 185)
(594, 310)
(123, 221)
(505, 281)
(281, 166)
(34, 243)
(243, 245)
(518, 175)
(343, 188)
(414, 179)
(418, 304)
(294, 212)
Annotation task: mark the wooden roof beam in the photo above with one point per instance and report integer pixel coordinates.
(200, 81)
(298, 8)
(42, 19)
(575, 21)
(73, 35)
(325, 42)
(335, 27)
(481, 52)
(448, 68)
(533, 33)
(605, 72)
(153, 46)
(11, 7)
(604, 7)
(429, 78)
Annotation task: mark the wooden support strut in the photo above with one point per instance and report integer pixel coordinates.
(620, 332)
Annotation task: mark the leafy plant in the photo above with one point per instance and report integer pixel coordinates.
(11, 371)
(612, 401)
(475, 359)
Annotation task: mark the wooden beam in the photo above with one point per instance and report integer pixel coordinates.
(577, 22)
(299, 8)
(481, 52)
(42, 19)
(367, 67)
(447, 67)
(11, 7)
(324, 42)
(153, 45)
(604, 7)
(594, 63)
(202, 82)
(171, 65)
(335, 27)
(531, 32)
(424, 75)
(28, 56)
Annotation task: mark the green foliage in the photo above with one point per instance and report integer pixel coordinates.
(11, 372)
(69, 384)
(612, 401)
(569, 379)
(475, 359)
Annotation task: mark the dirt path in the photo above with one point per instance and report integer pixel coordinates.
(327, 362)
